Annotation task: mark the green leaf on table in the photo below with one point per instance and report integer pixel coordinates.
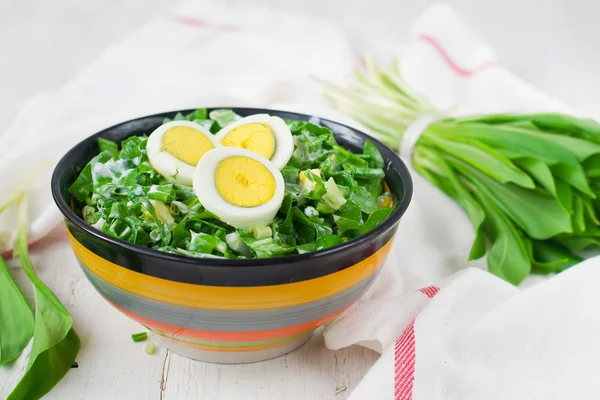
(55, 343)
(16, 318)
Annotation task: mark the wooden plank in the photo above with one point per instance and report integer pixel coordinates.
(310, 372)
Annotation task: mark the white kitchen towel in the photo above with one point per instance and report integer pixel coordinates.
(204, 54)
(471, 336)
(476, 337)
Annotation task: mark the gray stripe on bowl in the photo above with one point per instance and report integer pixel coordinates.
(228, 321)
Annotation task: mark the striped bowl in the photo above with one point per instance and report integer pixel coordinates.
(228, 311)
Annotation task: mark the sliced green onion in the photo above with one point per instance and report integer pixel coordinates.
(150, 348)
(95, 198)
(139, 337)
(87, 213)
(259, 243)
(333, 198)
(164, 193)
(163, 213)
(235, 242)
(177, 207)
(221, 247)
(262, 232)
(99, 224)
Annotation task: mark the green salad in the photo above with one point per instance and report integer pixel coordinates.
(331, 196)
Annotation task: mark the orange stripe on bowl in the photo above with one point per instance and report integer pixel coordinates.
(254, 336)
(225, 297)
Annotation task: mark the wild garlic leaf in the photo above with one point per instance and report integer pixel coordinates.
(539, 171)
(55, 343)
(16, 318)
(549, 257)
(484, 158)
(468, 203)
(521, 205)
(514, 139)
(508, 256)
(574, 175)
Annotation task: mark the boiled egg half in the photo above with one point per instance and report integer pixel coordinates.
(242, 188)
(175, 148)
(262, 134)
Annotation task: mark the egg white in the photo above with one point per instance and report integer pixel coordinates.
(284, 143)
(244, 218)
(166, 164)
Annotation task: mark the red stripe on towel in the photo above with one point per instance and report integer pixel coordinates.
(203, 24)
(430, 291)
(466, 73)
(404, 356)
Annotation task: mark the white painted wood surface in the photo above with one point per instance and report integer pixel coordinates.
(43, 44)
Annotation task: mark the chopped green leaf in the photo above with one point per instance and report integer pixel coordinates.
(108, 145)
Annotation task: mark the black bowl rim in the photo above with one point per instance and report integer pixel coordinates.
(392, 157)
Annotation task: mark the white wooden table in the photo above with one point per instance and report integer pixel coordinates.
(43, 44)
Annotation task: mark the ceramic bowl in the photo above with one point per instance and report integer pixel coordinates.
(228, 311)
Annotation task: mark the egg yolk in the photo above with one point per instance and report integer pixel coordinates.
(186, 144)
(244, 182)
(256, 137)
